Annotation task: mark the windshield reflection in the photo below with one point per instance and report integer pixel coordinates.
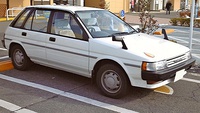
(102, 23)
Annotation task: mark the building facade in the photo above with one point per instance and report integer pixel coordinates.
(156, 5)
(70, 2)
(7, 4)
(113, 6)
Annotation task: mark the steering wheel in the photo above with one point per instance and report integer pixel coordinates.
(91, 29)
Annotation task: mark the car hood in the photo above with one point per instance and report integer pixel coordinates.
(139, 44)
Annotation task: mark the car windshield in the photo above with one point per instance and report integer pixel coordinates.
(102, 23)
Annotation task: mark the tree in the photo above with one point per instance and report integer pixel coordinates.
(104, 5)
(148, 23)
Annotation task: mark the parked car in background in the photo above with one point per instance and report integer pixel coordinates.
(94, 43)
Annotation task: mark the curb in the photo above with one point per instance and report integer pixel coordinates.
(6, 65)
(168, 31)
(4, 19)
(181, 27)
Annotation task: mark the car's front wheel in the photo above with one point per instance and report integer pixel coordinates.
(112, 81)
(19, 58)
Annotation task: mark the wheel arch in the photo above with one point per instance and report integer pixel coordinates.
(106, 61)
(12, 44)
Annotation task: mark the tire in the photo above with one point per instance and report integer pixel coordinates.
(112, 81)
(19, 58)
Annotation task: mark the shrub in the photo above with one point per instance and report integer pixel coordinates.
(187, 21)
(181, 21)
(174, 21)
(197, 23)
(184, 22)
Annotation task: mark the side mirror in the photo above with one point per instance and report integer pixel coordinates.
(119, 39)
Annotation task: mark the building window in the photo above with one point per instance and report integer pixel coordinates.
(65, 2)
(40, 2)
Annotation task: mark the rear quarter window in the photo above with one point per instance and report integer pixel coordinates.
(21, 19)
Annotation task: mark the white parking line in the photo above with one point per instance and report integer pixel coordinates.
(68, 95)
(196, 55)
(181, 31)
(178, 39)
(196, 39)
(14, 108)
(196, 49)
(191, 80)
(195, 74)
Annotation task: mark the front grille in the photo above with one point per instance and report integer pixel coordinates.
(177, 60)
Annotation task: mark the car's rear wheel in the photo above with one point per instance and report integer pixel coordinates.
(19, 58)
(112, 81)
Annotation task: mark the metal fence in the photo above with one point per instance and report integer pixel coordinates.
(12, 12)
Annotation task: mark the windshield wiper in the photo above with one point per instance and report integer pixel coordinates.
(119, 33)
(132, 32)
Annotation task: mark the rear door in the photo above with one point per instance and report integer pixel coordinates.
(35, 35)
(67, 46)
(30, 30)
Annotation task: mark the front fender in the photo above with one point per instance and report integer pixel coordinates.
(94, 62)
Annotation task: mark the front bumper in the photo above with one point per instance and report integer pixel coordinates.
(167, 73)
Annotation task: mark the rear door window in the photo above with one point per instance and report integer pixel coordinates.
(38, 20)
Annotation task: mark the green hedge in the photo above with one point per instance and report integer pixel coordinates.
(184, 22)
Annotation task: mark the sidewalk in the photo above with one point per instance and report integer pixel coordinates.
(134, 19)
(161, 17)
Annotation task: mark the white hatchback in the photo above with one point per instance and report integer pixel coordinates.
(97, 44)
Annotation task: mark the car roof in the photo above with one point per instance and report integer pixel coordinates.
(65, 7)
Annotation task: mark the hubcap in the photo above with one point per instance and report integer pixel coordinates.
(111, 81)
(19, 58)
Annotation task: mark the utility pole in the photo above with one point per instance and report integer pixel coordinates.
(191, 24)
(186, 4)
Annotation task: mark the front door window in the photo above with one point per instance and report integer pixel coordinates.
(64, 24)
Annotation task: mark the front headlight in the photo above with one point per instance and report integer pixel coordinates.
(188, 55)
(154, 66)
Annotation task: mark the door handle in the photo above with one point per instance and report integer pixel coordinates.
(24, 33)
(52, 39)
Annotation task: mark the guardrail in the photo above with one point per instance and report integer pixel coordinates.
(12, 12)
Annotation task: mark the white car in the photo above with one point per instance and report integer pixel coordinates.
(94, 43)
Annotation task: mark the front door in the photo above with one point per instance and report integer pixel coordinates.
(66, 48)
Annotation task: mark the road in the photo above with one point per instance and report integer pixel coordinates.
(45, 90)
